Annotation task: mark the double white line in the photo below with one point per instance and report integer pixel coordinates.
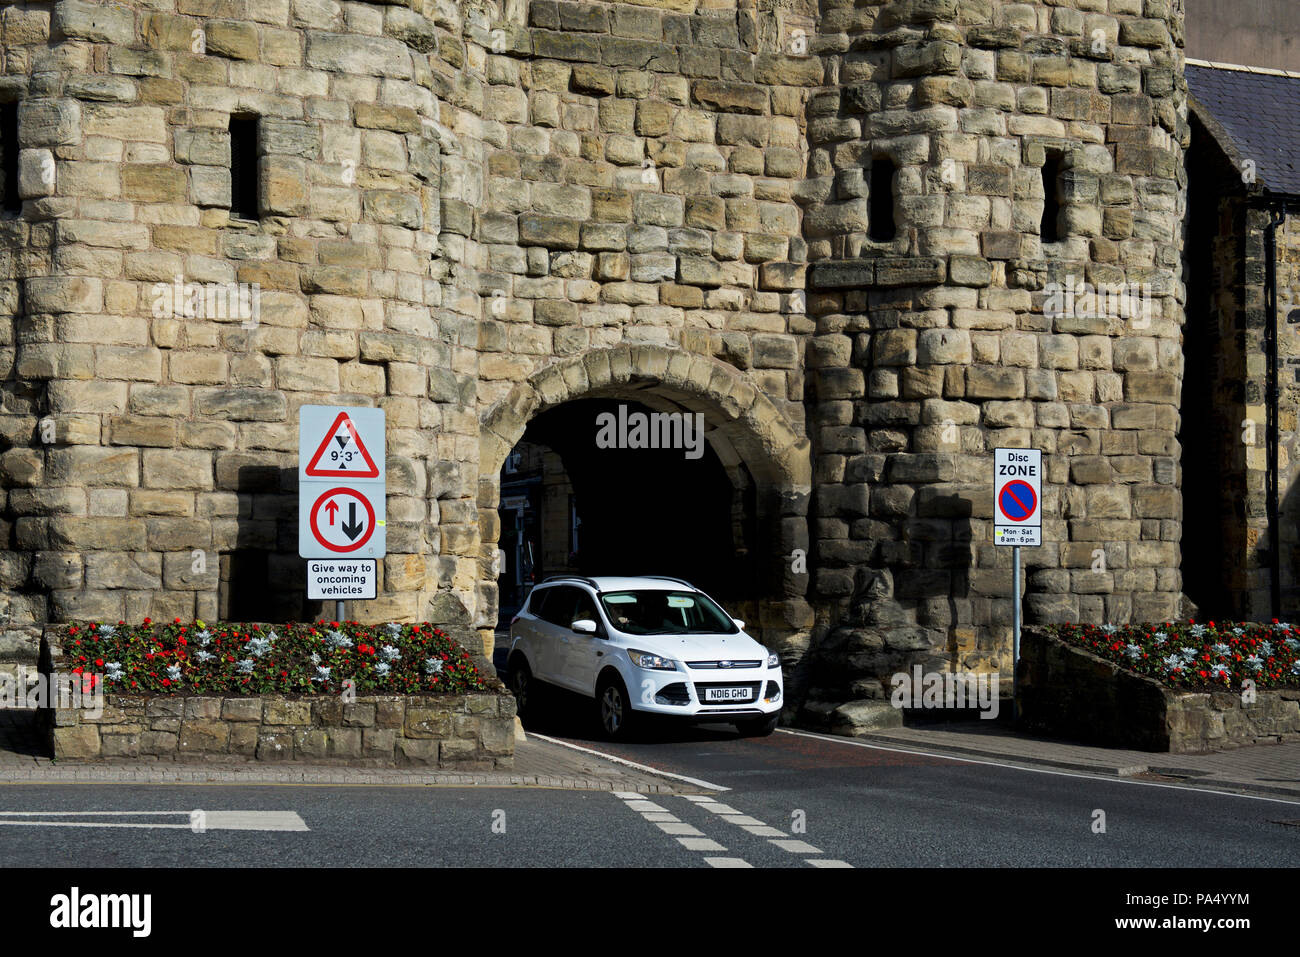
(693, 839)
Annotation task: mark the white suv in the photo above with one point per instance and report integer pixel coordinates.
(643, 645)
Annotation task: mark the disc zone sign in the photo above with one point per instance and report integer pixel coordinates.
(1018, 494)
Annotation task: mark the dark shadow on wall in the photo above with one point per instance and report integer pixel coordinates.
(262, 578)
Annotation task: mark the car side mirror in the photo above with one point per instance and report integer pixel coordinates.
(739, 624)
(584, 626)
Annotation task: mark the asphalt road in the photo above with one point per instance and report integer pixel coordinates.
(792, 800)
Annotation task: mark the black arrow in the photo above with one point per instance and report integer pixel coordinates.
(352, 528)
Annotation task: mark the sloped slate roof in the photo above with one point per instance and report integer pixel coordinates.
(1260, 112)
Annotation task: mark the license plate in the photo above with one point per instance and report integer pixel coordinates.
(726, 694)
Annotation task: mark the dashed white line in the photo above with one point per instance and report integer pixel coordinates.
(826, 862)
(729, 862)
(700, 844)
(796, 847)
(680, 827)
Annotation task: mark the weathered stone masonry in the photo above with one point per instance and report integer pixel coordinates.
(471, 214)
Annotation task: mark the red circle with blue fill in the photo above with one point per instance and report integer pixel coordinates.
(1017, 500)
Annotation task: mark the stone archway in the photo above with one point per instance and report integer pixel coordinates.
(743, 427)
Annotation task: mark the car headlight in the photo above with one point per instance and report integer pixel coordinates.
(643, 659)
(774, 661)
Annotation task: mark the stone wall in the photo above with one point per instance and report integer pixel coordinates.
(1072, 693)
(465, 732)
(472, 213)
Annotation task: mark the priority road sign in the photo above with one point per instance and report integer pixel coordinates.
(341, 483)
(1018, 493)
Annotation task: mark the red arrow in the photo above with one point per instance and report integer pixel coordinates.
(333, 509)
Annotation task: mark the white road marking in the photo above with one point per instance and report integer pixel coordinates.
(1020, 767)
(717, 808)
(743, 820)
(827, 862)
(645, 806)
(632, 764)
(680, 827)
(796, 847)
(762, 830)
(729, 862)
(697, 798)
(211, 821)
(700, 844)
(655, 817)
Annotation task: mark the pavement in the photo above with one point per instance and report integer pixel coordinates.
(545, 762)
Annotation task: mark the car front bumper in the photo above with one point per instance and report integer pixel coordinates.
(687, 694)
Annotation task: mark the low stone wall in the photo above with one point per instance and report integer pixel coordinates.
(1066, 691)
(457, 732)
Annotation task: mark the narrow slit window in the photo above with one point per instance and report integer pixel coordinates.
(243, 167)
(1050, 229)
(881, 200)
(10, 202)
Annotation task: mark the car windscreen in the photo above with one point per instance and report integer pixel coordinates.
(661, 612)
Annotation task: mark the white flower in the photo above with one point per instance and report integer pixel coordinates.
(1133, 651)
(1109, 629)
(393, 628)
(1239, 631)
(1293, 644)
(1266, 649)
(174, 672)
(433, 665)
(1282, 626)
(336, 639)
(257, 647)
(106, 630)
(271, 636)
(1295, 667)
(389, 653)
(382, 668)
(1197, 630)
(204, 637)
(245, 667)
(113, 671)
(203, 655)
(1221, 650)
(315, 658)
(1173, 662)
(1161, 637)
(1256, 663)
(1219, 671)
(322, 674)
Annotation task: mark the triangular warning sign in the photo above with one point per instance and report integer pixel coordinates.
(345, 455)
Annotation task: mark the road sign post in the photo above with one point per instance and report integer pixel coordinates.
(1017, 522)
(342, 496)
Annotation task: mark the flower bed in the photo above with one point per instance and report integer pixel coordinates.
(297, 658)
(1192, 656)
(338, 692)
(1176, 688)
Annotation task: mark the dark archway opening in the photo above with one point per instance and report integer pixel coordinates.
(570, 506)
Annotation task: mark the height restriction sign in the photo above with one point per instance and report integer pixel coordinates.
(1017, 497)
(341, 482)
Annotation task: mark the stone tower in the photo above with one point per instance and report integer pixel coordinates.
(821, 226)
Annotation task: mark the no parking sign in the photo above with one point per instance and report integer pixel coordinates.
(1017, 497)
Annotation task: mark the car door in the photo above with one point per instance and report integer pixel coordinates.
(583, 654)
(553, 632)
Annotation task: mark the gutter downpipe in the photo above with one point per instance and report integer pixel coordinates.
(1277, 211)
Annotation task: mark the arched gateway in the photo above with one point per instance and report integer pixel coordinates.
(749, 436)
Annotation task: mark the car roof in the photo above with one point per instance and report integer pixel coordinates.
(606, 583)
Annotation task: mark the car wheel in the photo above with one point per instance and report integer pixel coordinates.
(614, 710)
(524, 687)
(758, 727)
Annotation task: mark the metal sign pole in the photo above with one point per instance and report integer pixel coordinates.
(338, 616)
(1015, 625)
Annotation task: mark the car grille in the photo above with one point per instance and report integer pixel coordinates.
(734, 666)
(751, 689)
(676, 693)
